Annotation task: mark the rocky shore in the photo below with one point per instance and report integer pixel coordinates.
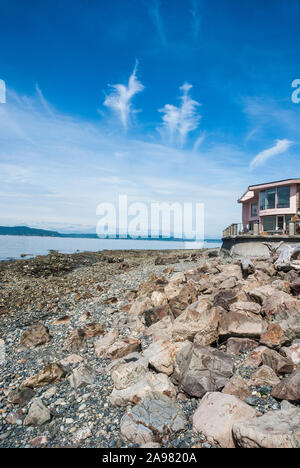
(146, 348)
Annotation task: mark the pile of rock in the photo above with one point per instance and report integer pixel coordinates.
(199, 322)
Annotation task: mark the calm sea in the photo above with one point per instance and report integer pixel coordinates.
(11, 247)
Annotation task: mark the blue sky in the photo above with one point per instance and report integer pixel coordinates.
(160, 100)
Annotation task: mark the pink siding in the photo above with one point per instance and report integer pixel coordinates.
(246, 212)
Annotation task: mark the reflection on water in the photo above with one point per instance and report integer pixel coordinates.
(15, 246)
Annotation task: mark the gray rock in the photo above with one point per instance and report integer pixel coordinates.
(276, 429)
(152, 420)
(38, 414)
(81, 377)
(201, 369)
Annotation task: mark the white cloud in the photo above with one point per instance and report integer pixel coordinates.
(154, 9)
(180, 121)
(261, 158)
(199, 141)
(120, 99)
(196, 18)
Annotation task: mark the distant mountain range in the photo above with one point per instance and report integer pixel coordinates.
(27, 231)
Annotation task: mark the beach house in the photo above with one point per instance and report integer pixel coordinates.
(271, 208)
(270, 216)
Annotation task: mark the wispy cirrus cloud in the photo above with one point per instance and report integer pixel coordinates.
(120, 99)
(180, 121)
(261, 158)
(195, 12)
(155, 13)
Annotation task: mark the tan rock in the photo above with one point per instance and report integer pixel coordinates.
(94, 329)
(75, 341)
(278, 363)
(292, 352)
(180, 297)
(128, 374)
(122, 347)
(162, 354)
(246, 307)
(240, 345)
(35, 335)
(261, 293)
(50, 374)
(199, 318)
(264, 375)
(241, 325)
(161, 330)
(81, 377)
(238, 387)
(102, 344)
(254, 359)
(216, 414)
(151, 383)
(288, 388)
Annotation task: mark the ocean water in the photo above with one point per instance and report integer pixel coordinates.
(12, 247)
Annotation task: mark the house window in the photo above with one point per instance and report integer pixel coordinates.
(269, 223)
(254, 210)
(271, 196)
(262, 200)
(283, 197)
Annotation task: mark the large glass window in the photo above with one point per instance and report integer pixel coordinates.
(269, 223)
(262, 200)
(283, 197)
(254, 209)
(271, 196)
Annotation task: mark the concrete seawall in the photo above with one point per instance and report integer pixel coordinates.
(252, 246)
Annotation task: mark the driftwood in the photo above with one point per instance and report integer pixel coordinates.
(247, 267)
(288, 259)
(273, 249)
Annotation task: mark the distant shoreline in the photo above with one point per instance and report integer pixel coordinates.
(33, 232)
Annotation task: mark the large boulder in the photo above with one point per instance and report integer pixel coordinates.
(198, 319)
(102, 344)
(238, 387)
(275, 429)
(261, 293)
(122, 347)
(288, 388)
(277, 362)
(180, 297)
(151, 383)
(215, 416)
(264, 375)
(238, 324)
(292, 352)
(201, 369)
(247, 307)
(153, 420)
(161, 330)
(126, 374)
(240, 345)
(162, 354)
